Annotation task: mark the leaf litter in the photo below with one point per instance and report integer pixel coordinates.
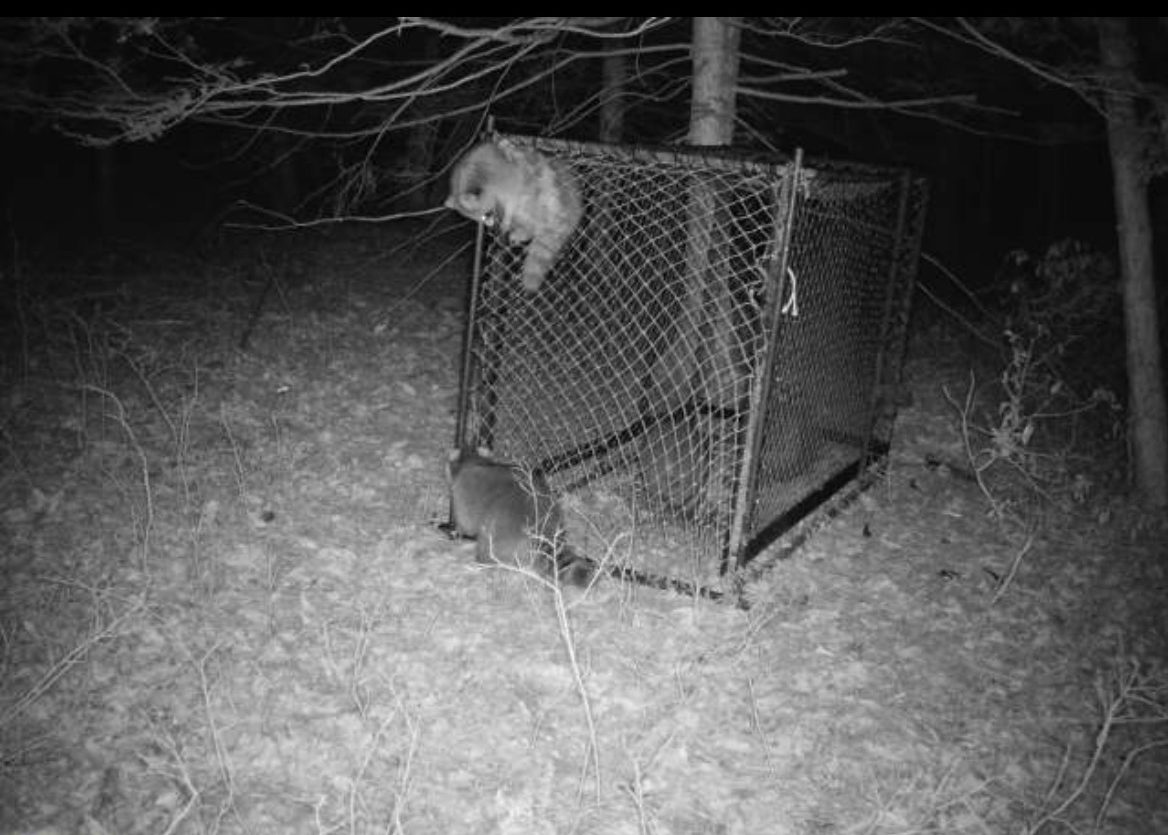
(227, 608)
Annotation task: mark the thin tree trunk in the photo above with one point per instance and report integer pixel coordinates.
(692, 364)
(715, 59)
(1146, 401)
(615, 69)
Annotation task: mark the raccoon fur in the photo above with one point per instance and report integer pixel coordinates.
(513, 516)
(531, 198)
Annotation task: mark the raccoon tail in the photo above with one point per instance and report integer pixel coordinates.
(575, 570)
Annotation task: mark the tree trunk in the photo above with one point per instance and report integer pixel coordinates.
(615, 71)
(715, 61)
(692, 365)
(1148, 421)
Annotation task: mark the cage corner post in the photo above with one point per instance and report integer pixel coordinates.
(900, 281)
(784, 216)
(466, 363)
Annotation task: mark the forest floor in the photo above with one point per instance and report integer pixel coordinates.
(226, 606)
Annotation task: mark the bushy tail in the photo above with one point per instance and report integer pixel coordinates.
(575, 570)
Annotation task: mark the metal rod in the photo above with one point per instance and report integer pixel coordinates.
(760, 396)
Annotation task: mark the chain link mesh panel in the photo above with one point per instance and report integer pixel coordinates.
(710, 350)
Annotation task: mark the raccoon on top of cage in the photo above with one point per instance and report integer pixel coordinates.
(513, 516)
(529, 196)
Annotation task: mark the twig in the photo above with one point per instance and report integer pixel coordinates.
(120, 417)
(1017, 561)
(637, 793)
(54, 673)
(235, 456)
(564, 622)
(964, 409)
(213, 730)
(403, 782)
(1119, 775)
(185, 775)
(569, 641)
(1114, 700)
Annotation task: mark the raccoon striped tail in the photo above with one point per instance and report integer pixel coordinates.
(575, 570)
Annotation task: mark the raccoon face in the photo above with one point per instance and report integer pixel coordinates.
(473, 202)
(468, 203)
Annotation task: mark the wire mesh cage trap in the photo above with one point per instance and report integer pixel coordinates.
(708, 366)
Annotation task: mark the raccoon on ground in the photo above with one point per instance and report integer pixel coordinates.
(530, 197)
(513, 516)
